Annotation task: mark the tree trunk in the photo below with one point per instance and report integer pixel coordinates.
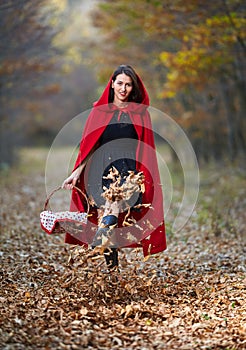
(231, 118)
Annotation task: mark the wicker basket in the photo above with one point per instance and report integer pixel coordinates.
(64, 221)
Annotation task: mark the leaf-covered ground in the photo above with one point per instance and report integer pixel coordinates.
(55, 296)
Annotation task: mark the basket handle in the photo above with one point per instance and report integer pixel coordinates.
(60, 187)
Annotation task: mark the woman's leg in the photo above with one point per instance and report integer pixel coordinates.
(111, 257)
(106, 225)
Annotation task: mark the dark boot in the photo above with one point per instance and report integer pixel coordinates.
(111, 257)
(107, 221)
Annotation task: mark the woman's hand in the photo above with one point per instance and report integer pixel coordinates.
(71, 181)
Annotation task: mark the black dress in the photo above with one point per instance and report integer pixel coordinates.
(117, 147)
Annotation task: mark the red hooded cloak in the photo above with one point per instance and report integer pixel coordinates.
(150, 229)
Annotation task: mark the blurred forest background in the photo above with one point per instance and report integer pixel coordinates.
(56, 55)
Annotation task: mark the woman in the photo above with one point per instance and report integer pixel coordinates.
(117, 168)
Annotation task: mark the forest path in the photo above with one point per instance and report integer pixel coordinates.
(54, 297)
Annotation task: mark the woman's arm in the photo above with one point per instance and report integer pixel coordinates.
(71, 180)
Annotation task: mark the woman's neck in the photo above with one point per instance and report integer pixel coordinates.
(120, 104)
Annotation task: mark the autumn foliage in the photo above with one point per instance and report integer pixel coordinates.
(55, 296)
(192, 57)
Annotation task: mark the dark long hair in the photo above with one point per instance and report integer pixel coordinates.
(136, 95)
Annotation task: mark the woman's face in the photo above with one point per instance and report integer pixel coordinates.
(122, 88)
